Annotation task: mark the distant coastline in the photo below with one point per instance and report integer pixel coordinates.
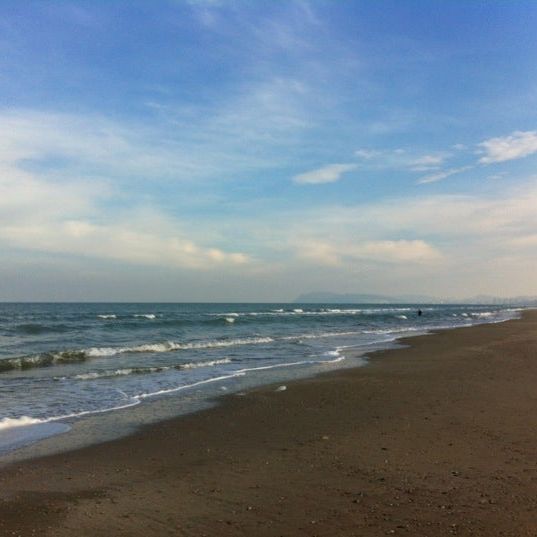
(327, 297)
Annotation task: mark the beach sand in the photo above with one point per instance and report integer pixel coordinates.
(438, 438)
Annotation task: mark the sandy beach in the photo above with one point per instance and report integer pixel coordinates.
(437, 438)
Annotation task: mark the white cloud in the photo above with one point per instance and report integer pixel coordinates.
(367, 153)
(445, 245)
(341, 253)
(120, 241)
(496, 176)
(517, 145)
(326, 174)
(434, 177)
(74, 144)
(319, 251)
(63, 208)
(427, 162)
(401, 159)
(399, 251)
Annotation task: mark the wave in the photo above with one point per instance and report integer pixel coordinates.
(38, 328)
(49, 359)
(93, 375)
(170, 346)
(241, 373)
(9, 423)
(150, 316)
(23, 421)
(210, 363)
(314, 312)
(76, 356)
(42, 360)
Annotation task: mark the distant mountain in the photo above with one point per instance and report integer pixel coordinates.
(487, 299)
(363, 298)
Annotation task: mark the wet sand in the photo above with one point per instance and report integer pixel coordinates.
(439, 438)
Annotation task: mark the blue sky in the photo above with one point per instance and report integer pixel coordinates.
(248, 150)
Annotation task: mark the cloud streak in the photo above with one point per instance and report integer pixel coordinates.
(63, 181)
(439, 176)
(338, 254)
(326, 174)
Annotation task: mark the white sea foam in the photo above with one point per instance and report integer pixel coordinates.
(169, 346)
(402, 317)
(93, 375)
(23, 421)
(212, 363)
(77, 356)
(230, 319)
(322, 312)
(320, 335)
(27, 421)
(142, 396)
(146, 315)
(41, 360)
(117, 373)
(394, 330)
(109, 316)
(239, 373)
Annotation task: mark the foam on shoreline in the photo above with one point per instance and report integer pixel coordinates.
(29, 430)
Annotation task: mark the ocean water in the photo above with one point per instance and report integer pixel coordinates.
(62, 362)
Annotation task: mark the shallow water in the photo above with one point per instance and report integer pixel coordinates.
(61, 362)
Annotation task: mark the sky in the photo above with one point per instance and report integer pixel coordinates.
(233, 150)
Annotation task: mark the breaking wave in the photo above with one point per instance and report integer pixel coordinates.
(42, 360)
(170, 346)
(23, 421)
(144, 370)
(69, 357)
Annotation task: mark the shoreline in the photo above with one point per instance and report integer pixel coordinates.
(231, 464)
(98, 427)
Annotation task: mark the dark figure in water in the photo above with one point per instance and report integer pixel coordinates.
(419, 313)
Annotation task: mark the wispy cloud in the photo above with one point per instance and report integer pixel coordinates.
(401, 159)
(123, 241)
(435, 177)
(326, 174)
(517, 145)
(427, 162)
(63, 179)
(367, 154)
(446, 243)
(341, 253)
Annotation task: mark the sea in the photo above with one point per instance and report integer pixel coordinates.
(62, 363)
